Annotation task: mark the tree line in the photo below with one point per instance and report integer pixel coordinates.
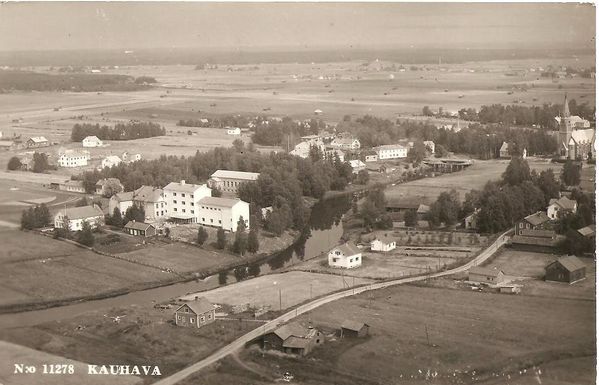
(120, 131)
(278, 133)
(78, 82)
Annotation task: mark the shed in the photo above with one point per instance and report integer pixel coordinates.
(354, 329)
(140, 228)
(568, 269)
(485, 275)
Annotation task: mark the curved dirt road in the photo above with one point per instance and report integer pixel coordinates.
(272, 325)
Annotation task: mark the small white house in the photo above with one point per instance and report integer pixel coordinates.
(111, 161)
(77, 215)
(233, 131)
(383, 243)
(92, 141)
(357, 165)
(562, 204)
(346, 256)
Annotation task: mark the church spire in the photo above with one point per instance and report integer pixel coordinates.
(566, 107)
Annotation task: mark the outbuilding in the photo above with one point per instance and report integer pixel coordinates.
(383, 243)
(139, 228)
(354, 329)
(568, 269)
(486, 275)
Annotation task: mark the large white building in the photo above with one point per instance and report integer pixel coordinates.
(182, 200)
(223, 212)
(92, 141)
(73, 158)
(391, 151)
(229, 181)
(93, 215)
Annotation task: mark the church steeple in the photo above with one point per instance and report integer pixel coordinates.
(566, 113)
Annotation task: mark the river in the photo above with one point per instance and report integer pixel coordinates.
(323, 231)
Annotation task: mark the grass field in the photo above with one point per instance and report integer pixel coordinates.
(295, 287)
(472, 338)
(474, 177)
(36, 268)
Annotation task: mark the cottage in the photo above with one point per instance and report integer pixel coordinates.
(223, 212)
(346, 256)
(111, 161)
(565, 269)
(354, 329)
(37, 141)
(93, 215)
(183, 200)
(383, 243)
(195, 314)
(72, 186)
(139, 228)
(504, 151)
(560, 206)
(229, 181)
(486, 275)
(293, 338)
(233, 131)
(92, 141)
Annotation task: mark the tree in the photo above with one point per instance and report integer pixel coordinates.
(81, 202)
(411, 218)
(27, 219)
(135, 213)
(202, 235)
(14, 163)
(253, 243)
(40, 162)
(238, 145)
(116, 219)
(547, 183)
(86, 236)
(440, 151)
(426, 111)
(417, 153)
(516, 172)
(571, 173)
(217, 193)
(221, 239)
(362, 177)
(446, 209)
(111, 187)
(240, 244)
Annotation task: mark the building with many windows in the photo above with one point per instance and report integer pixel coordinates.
(223, 212)
(229, 181)
(73, 158)
(391, 151)
(182, 200)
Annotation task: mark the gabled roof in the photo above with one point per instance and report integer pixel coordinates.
(564, 203)
(390, 147)
(344, 140)
(571, 263)
(504, 147)
(92, 137)
(73, 183)
(123, 196)
(356, 163)
(138, 225)
(182, 186)
(485, 271)
(583, 136)
(38, 139)
(220, 202)
(296, 342)
(353, 325)
(83, 212)
(386, 239)
(199, 306)
(348, 249)
(423, 209)
(113, 158)
(227, 174)
(292, 329)
(147, 194)
(587, 231)
(537, 218)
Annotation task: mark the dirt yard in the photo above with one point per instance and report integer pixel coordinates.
(422, 335)
(294, 287)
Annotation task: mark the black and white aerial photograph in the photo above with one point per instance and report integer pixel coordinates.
(312, 193)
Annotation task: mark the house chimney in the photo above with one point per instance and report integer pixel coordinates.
(182, 181)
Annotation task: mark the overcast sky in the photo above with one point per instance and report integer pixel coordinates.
(40, 26)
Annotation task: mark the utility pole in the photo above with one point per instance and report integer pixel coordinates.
(310, 291)
(426, 331)
(280, 301)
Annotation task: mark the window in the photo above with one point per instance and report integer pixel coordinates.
(174, 194)
(183, 210)
(183, 195)
(174, 201)
(211, 220)
(175, 209)
(182, 202)
(191, 319)
(186, 310)
(219, 221)
(179, 317)
(192, 203)
(202, 319)
(192, 211)
(210, 316)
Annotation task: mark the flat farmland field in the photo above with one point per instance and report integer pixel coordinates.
(424, 335)
(474, 177)
(43, 269)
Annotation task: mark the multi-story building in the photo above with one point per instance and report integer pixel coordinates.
(77, 215)
(73, 158)
(229, 181)
(151, 199)
(391, 151)
(223, 212)
(37, 141)
(91, 141)
(182, 200)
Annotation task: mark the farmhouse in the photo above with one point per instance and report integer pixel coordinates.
(77, 215)
(485, 275)
(111, 161)
(223, 212)
(104, 186)
(139, 228)
(354, 329)
(346, 143)
(195, 314)
(383, 243)
(562, 205)
(37, 141)
(182, 200)
(391, 151)
(536, 224)
(72, 186)
(293, 338)
(72, 158)
(346, 256)
(504, 151)
(91, 141)
(233, 131)
(565, 269)
(229, 181)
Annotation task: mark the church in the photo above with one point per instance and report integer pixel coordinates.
(575, 139)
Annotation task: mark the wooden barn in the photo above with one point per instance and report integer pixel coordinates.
(140, 228)
(485, 275)
(568, 269)
(293, 338)
(354, 329)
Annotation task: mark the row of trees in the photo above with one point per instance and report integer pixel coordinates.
(78, 82)
(373, 210)
(278, 133)
(120, 131)
(39, 160)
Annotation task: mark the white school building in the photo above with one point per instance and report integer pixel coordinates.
(223, 212)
